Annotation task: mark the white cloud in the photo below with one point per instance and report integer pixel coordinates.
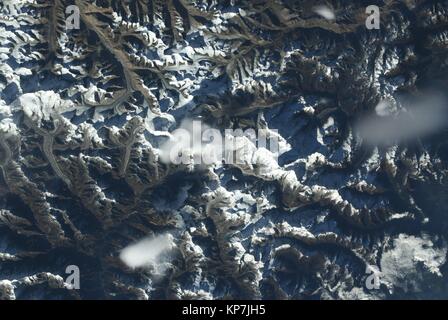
(324, 12)
(147, 252)
(384, 108)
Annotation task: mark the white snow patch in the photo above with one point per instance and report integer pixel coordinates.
(41, 105)
(402, 265)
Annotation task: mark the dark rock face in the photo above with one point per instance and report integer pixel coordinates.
(344, 212)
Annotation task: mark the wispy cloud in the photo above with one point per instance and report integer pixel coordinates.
(419, 118)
